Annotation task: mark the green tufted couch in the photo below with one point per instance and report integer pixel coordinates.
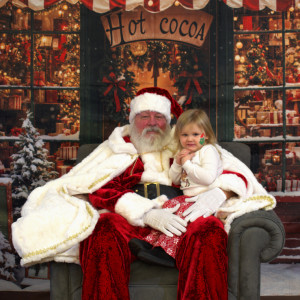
(254, 238)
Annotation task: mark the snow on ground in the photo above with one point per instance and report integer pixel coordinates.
(280, 279)
(5, 180)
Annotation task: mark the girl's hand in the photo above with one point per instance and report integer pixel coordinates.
(180, 155)
(188, 156)
(183, 156)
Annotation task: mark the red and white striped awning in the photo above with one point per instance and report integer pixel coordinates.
(102, 6)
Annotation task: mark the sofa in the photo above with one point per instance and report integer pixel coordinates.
(256, 237)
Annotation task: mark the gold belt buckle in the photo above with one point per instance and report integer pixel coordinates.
(146, 188)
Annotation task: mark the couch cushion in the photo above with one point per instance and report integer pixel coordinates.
(142, 273)
(150, 282)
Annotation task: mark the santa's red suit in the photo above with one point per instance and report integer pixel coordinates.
(54, 220)
(105, 256)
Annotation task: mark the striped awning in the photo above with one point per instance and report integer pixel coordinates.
(102, 6)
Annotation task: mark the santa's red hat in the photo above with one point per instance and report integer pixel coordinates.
(154, 99)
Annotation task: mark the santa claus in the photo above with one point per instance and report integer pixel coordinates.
(127, 179)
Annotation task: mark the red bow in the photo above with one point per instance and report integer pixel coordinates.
(191, 77)
(16, 131)
(113, 82)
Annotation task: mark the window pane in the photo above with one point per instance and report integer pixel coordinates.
(292, 59)
(247, 20)
(62, 17)
(292, 112)
(13, 17)
(57, 113)
(57, 60)
(292, 167)
(13, 105)
(258, 114)
(14, 59)
(294, 16)
(63, 155)
(258, 60)
(267, 165)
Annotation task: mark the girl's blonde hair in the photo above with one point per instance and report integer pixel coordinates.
(198, 117)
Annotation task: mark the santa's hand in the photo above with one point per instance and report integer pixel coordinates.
(205, 204)
(165, 221)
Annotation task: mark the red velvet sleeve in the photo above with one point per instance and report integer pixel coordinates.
(108, 195)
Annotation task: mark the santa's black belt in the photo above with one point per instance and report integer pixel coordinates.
(153, 190)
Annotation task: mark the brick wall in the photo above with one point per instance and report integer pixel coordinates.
(288, 210)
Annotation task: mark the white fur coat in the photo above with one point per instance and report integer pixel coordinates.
(53, 221)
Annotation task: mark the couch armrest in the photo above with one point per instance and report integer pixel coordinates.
(254, 238)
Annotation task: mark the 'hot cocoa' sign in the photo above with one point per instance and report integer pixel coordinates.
(176, 24)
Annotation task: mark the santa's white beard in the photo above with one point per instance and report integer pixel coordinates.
(154, 142)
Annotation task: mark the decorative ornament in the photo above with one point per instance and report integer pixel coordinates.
(65, 7)
(237, 58)
(150, 3)
(138, 48)
(242, 59)
(239, 45)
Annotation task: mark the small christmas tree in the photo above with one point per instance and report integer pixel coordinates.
(7, 259)
(257, 67)
(30, 167)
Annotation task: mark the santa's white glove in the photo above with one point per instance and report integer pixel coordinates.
(205, 204)
(164, 220)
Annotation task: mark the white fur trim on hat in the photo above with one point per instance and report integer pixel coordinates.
(151, 102)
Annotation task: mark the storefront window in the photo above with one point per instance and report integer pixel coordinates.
(266, 92)
(40, 72)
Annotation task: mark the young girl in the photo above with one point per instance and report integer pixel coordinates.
(195, 167)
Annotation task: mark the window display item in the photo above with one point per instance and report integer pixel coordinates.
(14, 102)
(39, 78)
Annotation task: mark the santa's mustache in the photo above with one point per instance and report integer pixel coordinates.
(151, 128)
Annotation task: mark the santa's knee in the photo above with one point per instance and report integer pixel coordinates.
(207, 230)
